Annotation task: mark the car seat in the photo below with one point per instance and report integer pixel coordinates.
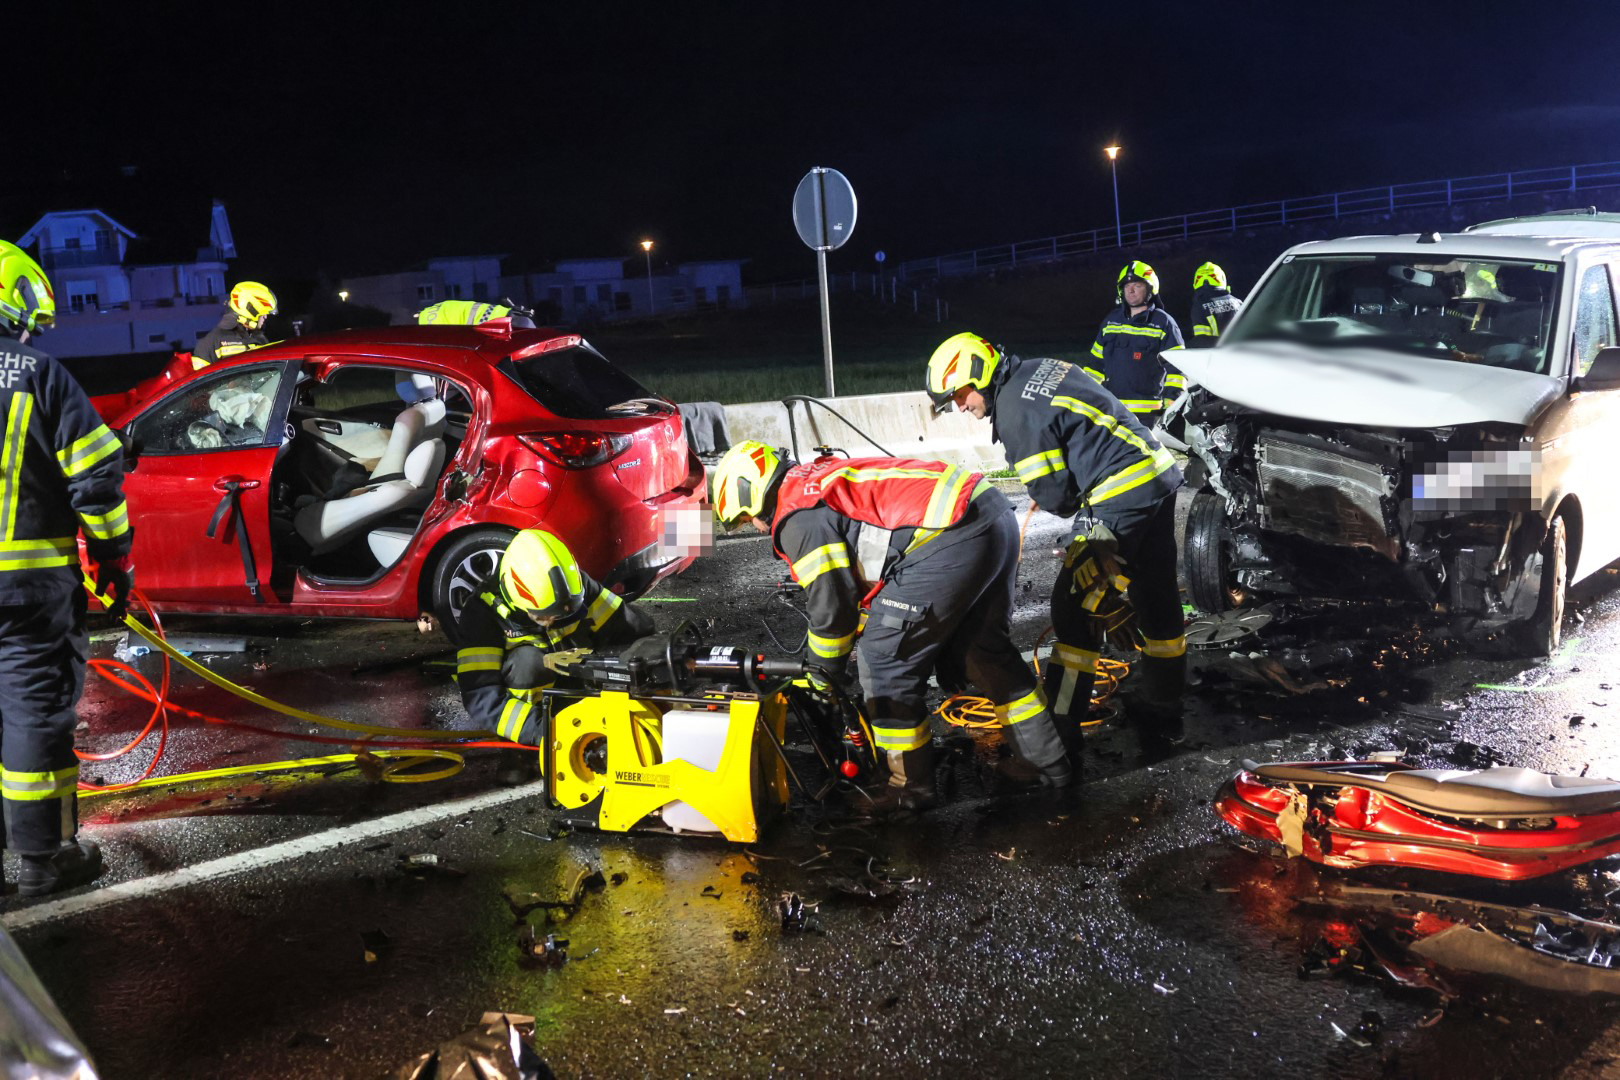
(403, 479)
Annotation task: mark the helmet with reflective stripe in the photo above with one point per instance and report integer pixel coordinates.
(461, 313)
(1136, 270)
(961, 360)
(26, 300)
(540, 577)
(1209, 274)
(745, 480)
(252, 302)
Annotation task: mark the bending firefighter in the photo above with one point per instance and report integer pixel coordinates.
(1131, 343)
(1079, 451)
(241, 327)
(934, 548)
(536, 603)
(63, 475)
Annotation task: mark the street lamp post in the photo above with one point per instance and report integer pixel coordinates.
(646, 248)
(1113, 167)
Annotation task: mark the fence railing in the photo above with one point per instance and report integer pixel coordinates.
(1393, 198)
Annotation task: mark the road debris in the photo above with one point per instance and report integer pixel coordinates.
(550, 951)
(500, 1046)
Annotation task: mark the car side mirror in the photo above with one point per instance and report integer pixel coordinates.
(1604, 374)
(132, 449)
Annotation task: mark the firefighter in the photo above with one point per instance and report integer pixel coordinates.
(473, 312)
(537, 602)
(1131, 343)
(933, 548)
(1213, 306)
(1079, 451)
(241, 327)
(63, 475)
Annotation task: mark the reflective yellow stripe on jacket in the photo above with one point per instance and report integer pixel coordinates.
(1038, 465)
(109, 526)
(1133, 331)
(479, 658)
(827, 557)
(87, 452)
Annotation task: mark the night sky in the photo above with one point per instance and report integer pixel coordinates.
(368, 136)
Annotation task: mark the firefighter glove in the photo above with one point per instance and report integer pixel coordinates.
(114, 580)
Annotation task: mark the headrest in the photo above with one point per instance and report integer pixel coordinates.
(414, 388)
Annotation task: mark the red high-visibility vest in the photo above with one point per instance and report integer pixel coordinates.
(890, 493)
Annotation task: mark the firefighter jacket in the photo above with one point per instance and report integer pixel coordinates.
(1073, 445)
(500, 658)
(224, 341)
(845, 525)
(1128, 357)
(1212, 309)
(63, 474)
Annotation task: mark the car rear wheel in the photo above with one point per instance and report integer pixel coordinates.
(1207, 554)
(1541, 634)
(469, 560)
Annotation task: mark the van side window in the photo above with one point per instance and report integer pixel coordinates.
(1594, 317)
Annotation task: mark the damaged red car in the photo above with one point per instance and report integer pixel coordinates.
(381, 473)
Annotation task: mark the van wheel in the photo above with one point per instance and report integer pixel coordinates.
(1540, 635)
(470, 559)
(1207, 553)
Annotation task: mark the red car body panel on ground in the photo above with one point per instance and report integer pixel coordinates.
(631, 470)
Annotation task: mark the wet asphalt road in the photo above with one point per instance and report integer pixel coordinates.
(1115, 929)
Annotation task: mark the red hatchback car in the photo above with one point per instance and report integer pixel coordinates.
(380, 473)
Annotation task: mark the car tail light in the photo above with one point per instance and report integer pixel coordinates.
(576, 449)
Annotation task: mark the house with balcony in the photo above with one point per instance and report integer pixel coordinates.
(118, 293)
(569, 292)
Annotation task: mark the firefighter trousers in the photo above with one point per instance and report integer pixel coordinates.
(42, 656)
(953, 609)
(1147, 550)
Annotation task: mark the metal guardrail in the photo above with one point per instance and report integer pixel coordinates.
(1391, 199)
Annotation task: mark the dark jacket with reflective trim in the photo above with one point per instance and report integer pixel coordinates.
(1212, 309)
(227, 339)
(1129, 353)
(1073, 444)
(497, 654)
(835, 589)
(61, 471)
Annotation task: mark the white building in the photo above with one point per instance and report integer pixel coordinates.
(106, 306)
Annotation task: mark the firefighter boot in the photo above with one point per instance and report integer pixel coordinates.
(74, 863)
(911, 783)
(1034, 737)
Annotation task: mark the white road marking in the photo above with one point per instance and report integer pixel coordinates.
(258, 858)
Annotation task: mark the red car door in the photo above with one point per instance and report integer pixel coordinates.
(205, 455)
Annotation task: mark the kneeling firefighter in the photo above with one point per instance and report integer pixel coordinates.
(537, 602)
(1078, 450)
(934, 548)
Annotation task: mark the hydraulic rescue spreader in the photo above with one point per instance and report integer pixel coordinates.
(675, 734)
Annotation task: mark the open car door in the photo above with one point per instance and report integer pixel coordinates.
(199, 496)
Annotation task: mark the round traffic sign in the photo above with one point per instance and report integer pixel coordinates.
(824, 209)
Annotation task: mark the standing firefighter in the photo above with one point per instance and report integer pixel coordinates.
(1079, 451)
(63, 474)
(537, 602)
(934, 549)
(241, 327)
(1213, 305)
(1131, 343)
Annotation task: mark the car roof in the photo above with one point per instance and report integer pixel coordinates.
(1554, 245)
(491, 342)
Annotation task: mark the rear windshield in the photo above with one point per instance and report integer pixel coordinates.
(577, 383)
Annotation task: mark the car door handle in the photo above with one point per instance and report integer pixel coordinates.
(226, 483)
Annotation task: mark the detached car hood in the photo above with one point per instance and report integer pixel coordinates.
(1366, 387)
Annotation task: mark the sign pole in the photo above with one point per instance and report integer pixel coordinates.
(821, 278)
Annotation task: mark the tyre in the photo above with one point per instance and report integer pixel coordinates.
(469, 559)
(1540, 634)
(1207, 555)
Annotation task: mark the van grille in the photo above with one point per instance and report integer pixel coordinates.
(1315, 492)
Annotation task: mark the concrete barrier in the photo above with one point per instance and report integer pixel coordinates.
(900, 423)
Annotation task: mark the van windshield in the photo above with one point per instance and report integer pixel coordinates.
(1477, 311)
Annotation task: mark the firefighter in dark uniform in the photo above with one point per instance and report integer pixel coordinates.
(1079, 451)
(537, 602)
(933, 548)
(1128, 355)
(63, 474)
(1213, 306)
(241, 327)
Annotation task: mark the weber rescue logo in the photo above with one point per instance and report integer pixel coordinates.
(637, 779)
